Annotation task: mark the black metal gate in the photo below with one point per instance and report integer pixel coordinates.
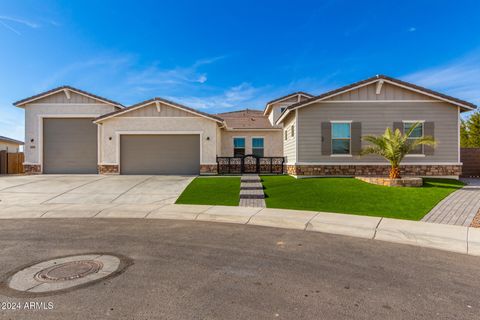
(250, 164)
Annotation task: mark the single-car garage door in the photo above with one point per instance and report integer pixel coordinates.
(160, 154)
(69, 145)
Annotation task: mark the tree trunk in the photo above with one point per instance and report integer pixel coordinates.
(394, 172)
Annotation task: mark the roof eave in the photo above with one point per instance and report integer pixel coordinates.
(408, 86)
(21, 103)
(269, 104)
(161, 100)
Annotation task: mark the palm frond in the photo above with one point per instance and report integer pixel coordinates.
(394, 145)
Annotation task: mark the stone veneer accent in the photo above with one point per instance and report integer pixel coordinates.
(32, 168)
(108, 169)
(208, 169)
(372, 170)
(402, 182)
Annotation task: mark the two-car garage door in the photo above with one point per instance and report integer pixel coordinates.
(160, 154)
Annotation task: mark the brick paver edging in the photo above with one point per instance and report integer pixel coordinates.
(459, 207)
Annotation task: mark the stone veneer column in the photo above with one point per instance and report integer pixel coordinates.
(32, 168)
(208, 169)
(108, 169)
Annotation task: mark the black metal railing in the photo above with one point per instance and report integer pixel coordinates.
(250, 164)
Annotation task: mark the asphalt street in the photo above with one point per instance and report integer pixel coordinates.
(197, 270)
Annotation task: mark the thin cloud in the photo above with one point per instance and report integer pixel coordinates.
(412, 29)
(10, 28)
(6, 20)
(25, 22)
(99, 66)
(243, 95)
(460, 78)
(155, 75)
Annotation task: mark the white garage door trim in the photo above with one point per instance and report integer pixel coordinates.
(64, 116)
(119, 133)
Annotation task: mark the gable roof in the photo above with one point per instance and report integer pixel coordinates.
(246, 119)
(41, 95)
(465, 105)
(6, 139)
(288, 96)
(161, 100)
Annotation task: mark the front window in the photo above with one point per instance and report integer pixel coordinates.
(258, 147)
(238, 147)
(341, 138)
(416, 133)
(292, 131)
(285, 134)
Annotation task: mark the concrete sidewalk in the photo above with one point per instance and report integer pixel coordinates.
(459, 239)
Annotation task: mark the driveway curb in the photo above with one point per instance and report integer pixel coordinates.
(451, 238)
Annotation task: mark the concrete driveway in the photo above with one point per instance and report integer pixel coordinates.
(91, 189)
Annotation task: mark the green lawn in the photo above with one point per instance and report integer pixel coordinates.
(348, 195)
(212, 190)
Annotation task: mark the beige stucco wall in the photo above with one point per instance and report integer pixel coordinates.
(114, 127)
(273, 144)
(10, 147)
(50, 107)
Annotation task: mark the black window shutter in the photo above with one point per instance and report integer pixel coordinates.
(398, 125)
(429, 131)
(326, 138)
(356, 138)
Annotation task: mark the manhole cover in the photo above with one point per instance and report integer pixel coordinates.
(69, 271)
(64, 273)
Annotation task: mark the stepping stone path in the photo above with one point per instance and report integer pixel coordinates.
(251, 191)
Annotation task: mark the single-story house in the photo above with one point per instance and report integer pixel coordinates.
(323, 134)
(10, 145)
(68, 130)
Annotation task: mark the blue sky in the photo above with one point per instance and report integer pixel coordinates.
(225, 55)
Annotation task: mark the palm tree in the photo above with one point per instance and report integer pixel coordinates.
(393, 146)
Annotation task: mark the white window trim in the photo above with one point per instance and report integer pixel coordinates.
(416, 155)
(350, 139)
(258, 137)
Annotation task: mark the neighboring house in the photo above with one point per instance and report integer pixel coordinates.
(72, 131)
(10, 145)
(323, 134)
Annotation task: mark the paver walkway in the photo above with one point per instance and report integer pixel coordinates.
(251, 191)
(459, 208)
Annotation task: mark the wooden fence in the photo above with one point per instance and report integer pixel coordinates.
(11, 163)
(470, 157)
